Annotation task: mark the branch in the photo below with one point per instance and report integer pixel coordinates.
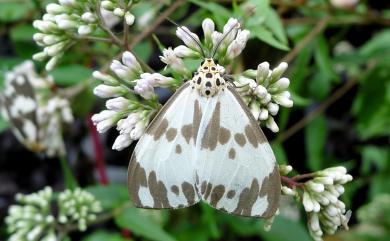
(306, 40)
(103, 25)
(321, 108)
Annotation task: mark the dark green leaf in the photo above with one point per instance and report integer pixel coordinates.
(110, 196)
(12, 11)
(322, 57)
(376, 157)
(266, 36)
(23, 32)
(284, 229)
(315, 138)
(104, 236)
(140, 224)
(71, 74)
(274, 24)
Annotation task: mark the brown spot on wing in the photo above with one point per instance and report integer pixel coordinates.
(214, 133)
(232, 153)
(250, 134)
(216, 194)
(271, 188)
(247, 199)
(191, 130)
(178, 149)
(189, 192)
(207, 192)
(224, 135)
(175, 189)
(158, 191)
(136, 179)
(240, 139)
(231, 194)
(171, 134)
(159, 129)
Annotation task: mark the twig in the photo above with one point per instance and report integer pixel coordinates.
(312, 115)
(103, 25)
(290, 182)
(303, 43)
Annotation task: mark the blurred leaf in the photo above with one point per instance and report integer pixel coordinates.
(243, 227)
(379, 184)
(3, 124)
(376, 157)
(214, 8)
(209, 220)
(274, 24)
(103, 236)
(319, 85)
(143, 50)
(372, 104)
(133, 219)
(284, 229)
(315, 139)
(110, 196)
(23, 32)
(300, 101)
(12, 11)
(266, 36)
(71, 74)
(280, 154)
(378, 45)
(322, 58)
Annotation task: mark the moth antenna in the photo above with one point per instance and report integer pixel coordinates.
(185, 31)
(223, 38)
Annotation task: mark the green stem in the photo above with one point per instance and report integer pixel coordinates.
(70, 180)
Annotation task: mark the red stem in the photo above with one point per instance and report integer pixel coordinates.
(291, 183)
(98, 150)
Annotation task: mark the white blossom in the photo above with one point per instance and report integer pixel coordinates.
(189, 38)
(173, 61)
(237, 45)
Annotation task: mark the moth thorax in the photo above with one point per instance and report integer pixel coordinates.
(208, 80)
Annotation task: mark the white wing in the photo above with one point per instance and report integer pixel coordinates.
(162, 170)
(236, 166)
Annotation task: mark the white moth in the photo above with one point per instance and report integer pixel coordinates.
(19, 106)
(204, 144)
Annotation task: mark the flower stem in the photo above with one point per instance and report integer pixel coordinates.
(291, 183)
(69, 179)
(99, 155)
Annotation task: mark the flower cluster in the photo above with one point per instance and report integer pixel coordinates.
(264, 91)
(45, 113)
(132, 101)
(32, 218)
(227, 45)
(78, 206)
(320, 199)
(61, 25)
(119, 9)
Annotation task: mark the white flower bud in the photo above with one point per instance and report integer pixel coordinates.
(173, 61)
(66, 24)
(283, 100)
(185, 52)
(262, 72)
(191, 41)
(288, 191)
(273, 108)
(40, 56)
(344, 4)
(108, 5)
(280, 85)
(54, 49)
(131, 61)
(88, 17)
(208, 28)
(121, 142)
(263, 115)
(129, 18)
(278, 71)
(119, 12)
(53, 8)
(230, 30)
(271, 124)
(118, 104)
(235, 48)
(44, 26)
(51, 63)
(254, 106)
(105, 91)
(260, 91)
(307, 202)
(107, 79)
(85, 30)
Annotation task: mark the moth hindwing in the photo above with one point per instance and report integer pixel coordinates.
(204, 144)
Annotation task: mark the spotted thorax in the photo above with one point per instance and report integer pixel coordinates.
(208, 80)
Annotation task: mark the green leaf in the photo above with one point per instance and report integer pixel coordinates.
(110, 196)
(71, 74)
(23, 32)
(213, 7)
(143, 50)
(315, 139)
(280, 154)
(266, 36)
(284, 229)
(376, 157)
(12, 11)
(377, 45)
(69, 179)
(322, 58)
(104, 236)
(140, 224)
(210, 222)
(274, 24)
(320, 85)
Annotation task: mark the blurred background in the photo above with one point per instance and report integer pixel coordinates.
(339, 66)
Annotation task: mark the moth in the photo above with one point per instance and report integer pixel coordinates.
(19, 106)
(204, 144)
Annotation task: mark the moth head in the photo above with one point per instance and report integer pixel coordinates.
(208, 65)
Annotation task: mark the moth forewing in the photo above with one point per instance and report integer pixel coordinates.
(161, 172)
